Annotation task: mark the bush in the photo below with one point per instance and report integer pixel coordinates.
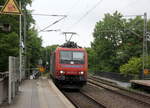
(133, 67)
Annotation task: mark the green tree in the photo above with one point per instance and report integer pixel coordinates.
(8, 46)
(116, 40)
(34, 48)
(107, 38)
(133, 67)
(91, 60)
(46, 52)
(9, 41)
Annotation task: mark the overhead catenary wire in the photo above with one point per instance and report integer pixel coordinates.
(55, 15)
(133, 2)
(129, 29)
(132, 15)
(51, 15)
(70, 11)
(53, 23)
(89, 11)
(73, 6)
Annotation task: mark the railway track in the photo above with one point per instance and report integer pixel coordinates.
(82, 100)
(105, 94)
(138, 97)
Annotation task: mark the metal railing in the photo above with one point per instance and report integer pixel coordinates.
(3, 75)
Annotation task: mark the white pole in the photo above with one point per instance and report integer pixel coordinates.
(25, 57)
(9, 81)
(20, 44)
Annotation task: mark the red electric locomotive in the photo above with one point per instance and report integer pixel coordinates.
(69, 66)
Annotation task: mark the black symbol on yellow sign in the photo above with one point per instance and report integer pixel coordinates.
(11, 7)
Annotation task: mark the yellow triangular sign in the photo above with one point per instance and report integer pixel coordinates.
(11, 7)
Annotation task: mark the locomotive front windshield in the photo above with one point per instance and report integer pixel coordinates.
(77, 57)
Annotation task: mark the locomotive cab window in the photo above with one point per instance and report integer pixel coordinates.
(67, 56)
(78, 56)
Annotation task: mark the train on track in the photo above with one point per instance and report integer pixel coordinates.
(69, 66)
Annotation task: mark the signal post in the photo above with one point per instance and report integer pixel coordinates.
(12, 8)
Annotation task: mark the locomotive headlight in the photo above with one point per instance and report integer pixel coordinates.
(61, 72)
(81, 72)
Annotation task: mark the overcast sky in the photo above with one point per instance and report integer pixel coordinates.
(78, 20)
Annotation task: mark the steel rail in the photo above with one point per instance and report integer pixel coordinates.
(114, 88)
(77, 105)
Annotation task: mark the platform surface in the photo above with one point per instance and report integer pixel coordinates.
(38, 94)
(141, 82)
(122, 84)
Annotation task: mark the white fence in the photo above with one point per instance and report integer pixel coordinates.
(14, 76)
(9, 81)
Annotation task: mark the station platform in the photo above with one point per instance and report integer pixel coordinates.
(122, 84)
(41, 93)
(145, 84)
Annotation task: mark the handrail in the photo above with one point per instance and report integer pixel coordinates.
(3, 75)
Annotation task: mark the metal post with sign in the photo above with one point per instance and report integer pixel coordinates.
(145, 50)
(11, 7)
(20, 55)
